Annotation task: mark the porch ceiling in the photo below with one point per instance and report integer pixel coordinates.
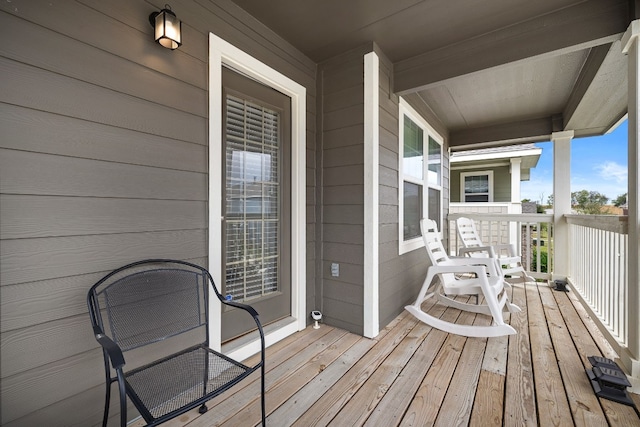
(508, 71)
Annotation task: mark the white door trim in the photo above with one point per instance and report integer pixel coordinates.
(222, 53)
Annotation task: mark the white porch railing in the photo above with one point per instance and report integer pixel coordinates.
(598, 271)
(597, 268)
(531, 234)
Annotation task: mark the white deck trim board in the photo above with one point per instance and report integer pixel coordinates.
(495, 155)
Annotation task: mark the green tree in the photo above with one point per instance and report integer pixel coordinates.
(620, 200)
(544, 261)
(588, 202)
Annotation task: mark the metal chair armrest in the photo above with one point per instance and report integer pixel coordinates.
(113, 350)
(245, 307)
(252, 311)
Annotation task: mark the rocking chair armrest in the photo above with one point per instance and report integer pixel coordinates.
(488, 264)
(478, 270)
(510, 248)
(471, 250)
(112, 349)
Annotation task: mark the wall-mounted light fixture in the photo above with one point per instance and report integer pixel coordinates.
(168, 28)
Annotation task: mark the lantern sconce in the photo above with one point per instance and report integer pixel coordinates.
(168, 28)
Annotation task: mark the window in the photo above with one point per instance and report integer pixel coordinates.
(420, 173)
(253, 146)
(476, 186)
(413, 171)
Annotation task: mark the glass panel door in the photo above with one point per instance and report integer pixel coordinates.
(256, 205)
(252, 211)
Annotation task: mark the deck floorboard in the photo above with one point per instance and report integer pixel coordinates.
(415, 375)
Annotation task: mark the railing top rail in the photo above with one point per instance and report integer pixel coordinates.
(502, 217)
(613, 223)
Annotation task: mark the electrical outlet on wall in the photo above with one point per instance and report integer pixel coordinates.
(335, 269)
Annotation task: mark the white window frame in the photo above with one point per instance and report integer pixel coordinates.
(463, 175)
(427, 131)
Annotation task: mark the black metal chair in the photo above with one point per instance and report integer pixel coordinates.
(157, 313)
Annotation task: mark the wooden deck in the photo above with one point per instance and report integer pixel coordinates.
(414, 375)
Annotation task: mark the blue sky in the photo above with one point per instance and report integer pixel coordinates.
(597, 164)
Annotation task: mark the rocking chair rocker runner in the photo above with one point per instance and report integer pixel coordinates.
(504, 254)
(157, 313)
(454, 279)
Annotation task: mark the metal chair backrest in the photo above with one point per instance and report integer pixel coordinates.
(142, 304)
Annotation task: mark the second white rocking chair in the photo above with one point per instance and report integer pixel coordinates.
(505, 254)
(462, 276)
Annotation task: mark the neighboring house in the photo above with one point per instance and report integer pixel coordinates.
(491, 175)
(613, 210)
(114, 149)
(488, 181)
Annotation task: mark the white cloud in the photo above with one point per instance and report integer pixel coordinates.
(612, 171)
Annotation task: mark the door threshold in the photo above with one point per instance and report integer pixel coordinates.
(249, 344)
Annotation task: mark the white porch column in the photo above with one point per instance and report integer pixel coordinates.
(515, 207)
(630, 47)
(515, 179)
(561, 202)
(371, 203)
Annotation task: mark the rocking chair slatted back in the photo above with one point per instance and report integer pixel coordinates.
(468, 233)
(505, 254)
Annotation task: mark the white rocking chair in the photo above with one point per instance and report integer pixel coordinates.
(454, 279)
(504, 254)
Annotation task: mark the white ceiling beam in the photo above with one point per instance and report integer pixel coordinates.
(534, 130)
(584, 25)
(589, 71)
(599, 97)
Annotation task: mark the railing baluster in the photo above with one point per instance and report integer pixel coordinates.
(598, 270)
